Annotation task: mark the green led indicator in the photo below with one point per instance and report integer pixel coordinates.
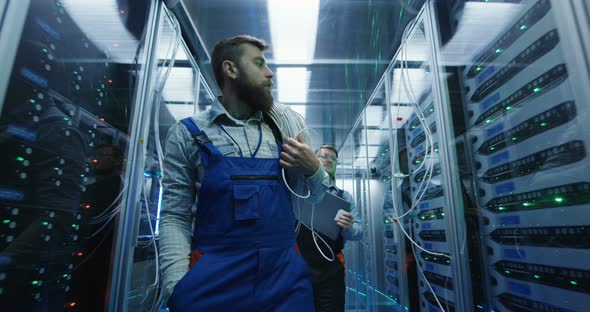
(35, 282)
(501, 208)
(507, 272)
(45, 50)
(543, 124)
(537, 276)
(574, 283)
(75, 72)
(442, 214)
(32, 101)
(97, 89)
(514, 138)
(20, 158)
(57, 4)
(558, 199)
(537, 90)
(478, 68)
(489, 121)
(66, 118)
(418, 161)
(508, 107)
(74, 225)
(492, 148)
(436, 150)
(432, 109)
(498, 50)
(45, 223)
(6, 221)
(55, 168)
(523, 27)
(527, 204)
(82, 175)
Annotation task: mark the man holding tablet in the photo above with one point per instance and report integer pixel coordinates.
(334, 220)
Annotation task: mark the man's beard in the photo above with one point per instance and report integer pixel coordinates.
(259, 98)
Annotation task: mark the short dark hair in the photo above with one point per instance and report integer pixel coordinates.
(230, 49)
(330, 147)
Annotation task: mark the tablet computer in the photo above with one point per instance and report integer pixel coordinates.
(324, 213)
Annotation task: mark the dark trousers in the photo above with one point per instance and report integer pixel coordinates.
(328, 287)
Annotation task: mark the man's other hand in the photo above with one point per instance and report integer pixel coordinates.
(298, 155)
(344, 219)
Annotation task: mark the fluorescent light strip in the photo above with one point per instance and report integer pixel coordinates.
(293, 27)
(292, 84)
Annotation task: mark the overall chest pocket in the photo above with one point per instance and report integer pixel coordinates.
(246, 202)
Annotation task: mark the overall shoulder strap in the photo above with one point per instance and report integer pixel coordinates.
(205, 145)
(273, 127)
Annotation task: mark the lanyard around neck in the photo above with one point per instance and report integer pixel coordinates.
(238, 145)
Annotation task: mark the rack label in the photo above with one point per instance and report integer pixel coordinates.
(5, 260)
(505, 188)
(519, 288)
(428, 245)
(427, 225)
(46, 28)
(430, 267)
(34, 77)
(489, 101)
(514, 253)
(503, 156)
(510, 220)
(494, 130)
(423, 205)
(486, 74)
(420, 148)
(416, 132)
(20, 132)
(11, 195)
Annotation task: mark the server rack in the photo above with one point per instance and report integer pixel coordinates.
(526, 130)
(64, 133)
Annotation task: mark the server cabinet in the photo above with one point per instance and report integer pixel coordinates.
(64, 134)
(523, 89)
(410, 179)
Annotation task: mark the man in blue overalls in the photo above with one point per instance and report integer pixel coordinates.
(227, 161)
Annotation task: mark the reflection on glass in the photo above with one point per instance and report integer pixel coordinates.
(522, 155)
(63, 134)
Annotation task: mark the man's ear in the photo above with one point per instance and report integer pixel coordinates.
(230, 69)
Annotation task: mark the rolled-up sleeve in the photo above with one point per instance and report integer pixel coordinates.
(176, 215)
(317, 184)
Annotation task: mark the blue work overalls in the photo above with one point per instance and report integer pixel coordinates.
(244, 256)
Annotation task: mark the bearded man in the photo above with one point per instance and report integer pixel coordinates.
(237, 250)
